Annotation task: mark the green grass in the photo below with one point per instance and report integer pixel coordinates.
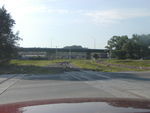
(15, 69)
(85, 64)
(33, 67)
(35, 62)
(136, 63)
(93, 65)
(41, 66)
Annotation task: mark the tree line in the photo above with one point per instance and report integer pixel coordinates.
(123, 47)
(8, 39)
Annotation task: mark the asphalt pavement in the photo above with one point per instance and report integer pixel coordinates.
(76, 84)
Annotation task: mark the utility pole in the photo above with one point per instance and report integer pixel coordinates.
(69, 53)
(56, 53)
(110, 53)
(51, 43)
(94, 43)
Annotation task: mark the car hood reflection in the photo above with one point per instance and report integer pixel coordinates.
(79, 105)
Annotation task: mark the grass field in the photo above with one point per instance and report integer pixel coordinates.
(32, 67)
(43, 66)
(137, 63)
(105, 67)
(35, 62)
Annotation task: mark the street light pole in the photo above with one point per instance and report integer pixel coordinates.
(94, 43)
(56, 52)
(51, 43)
(70, 53)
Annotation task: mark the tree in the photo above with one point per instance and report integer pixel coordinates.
(74, 47)
(88, 55)
(115, 46)
(8, 39)
(95, 56)
(143, 41)
(134, 48)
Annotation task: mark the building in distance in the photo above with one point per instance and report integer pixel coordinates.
(61, 53)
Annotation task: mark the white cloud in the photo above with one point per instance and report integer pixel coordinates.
(113, 16)
(20, 8)
(58, 11)
(27, 6)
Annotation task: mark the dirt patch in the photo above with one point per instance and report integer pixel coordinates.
(64, 65)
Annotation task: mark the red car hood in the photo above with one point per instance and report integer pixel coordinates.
(79, 105)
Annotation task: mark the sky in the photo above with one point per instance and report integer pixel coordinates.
(90, 23)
